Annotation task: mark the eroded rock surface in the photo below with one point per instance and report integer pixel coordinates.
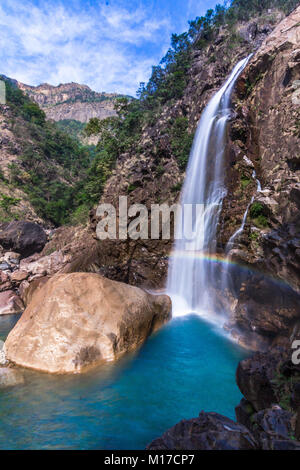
(81, 319)
(210, 431)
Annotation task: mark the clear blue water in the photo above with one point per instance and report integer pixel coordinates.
(184, 368)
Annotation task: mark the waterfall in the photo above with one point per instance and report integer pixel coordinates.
(191, 272)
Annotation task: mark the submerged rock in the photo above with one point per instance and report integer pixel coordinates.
(10, 377)
(210, 431)
(81, 319)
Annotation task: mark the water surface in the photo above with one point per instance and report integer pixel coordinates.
(184, 368)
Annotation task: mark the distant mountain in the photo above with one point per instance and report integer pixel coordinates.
(71, 101)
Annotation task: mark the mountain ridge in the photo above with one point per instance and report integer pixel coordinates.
(71, 101)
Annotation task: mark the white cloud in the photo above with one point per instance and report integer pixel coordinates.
(109, 49)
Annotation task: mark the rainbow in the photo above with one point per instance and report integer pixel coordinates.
(222, 260)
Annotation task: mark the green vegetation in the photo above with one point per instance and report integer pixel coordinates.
(256, 210)
(259, 215)
(245, 181)
(51, 163)
(181, 140)
(71, 127)
(176, 188)
(7, 202)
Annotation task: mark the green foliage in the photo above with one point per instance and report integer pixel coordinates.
(245, 181)
(259, 215)
(7, 202)
(93, 127)
(176, 188)
(254, 236)
(51, 161)
(32, 112)
(256, 210)
(71, 127)
(131, 188)
(181, 140)
(160, 170)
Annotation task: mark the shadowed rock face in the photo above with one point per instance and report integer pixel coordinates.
(24, 237)
(210, 431)
(81, 319)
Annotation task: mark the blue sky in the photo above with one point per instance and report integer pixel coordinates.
(109, 45)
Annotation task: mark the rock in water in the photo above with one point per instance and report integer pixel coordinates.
(81, 319)
(24, 237)
(210, 431)
(10, 303)
(10, 377)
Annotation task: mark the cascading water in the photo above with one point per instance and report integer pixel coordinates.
(190, 271)
(236, 234)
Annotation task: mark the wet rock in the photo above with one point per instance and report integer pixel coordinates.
(254, 378)
(81, 319)
(24, 237)
(210, 431)
(10, 303)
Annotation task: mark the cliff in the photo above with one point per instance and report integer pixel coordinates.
(265, 138)
(71, 101)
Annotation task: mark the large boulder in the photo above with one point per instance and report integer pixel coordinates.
(210, 431)
(81, 319)
(24, 237)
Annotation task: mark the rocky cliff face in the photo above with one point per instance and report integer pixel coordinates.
(71, 101)
(265, 138)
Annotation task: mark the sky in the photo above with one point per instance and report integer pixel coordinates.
(109, 45)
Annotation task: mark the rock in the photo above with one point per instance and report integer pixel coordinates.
(3, 277)
(12, 257)
(244, 412)
(19, 276)
(10, 377)
(254, 379)
(271, 426)
(27, 289)
(4, 266)
(210, 431)
(82, 319)
(3, 360)
(295, 398)
(10, 303)
(45, 265)
(24, 237)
